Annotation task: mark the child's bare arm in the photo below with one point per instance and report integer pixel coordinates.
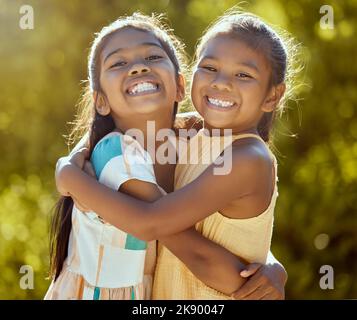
(149, 221)
(81, 145)
(211, 263)
(214, 265)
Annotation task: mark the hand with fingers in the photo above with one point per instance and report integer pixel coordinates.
(188, 120)
(78, 158)
(265, 282)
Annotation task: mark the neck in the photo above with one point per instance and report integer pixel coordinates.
(235, 131)
(146, 125)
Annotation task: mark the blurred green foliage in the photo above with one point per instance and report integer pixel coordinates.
(40, 73)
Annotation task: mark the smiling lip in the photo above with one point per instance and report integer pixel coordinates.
(135, 82)
(219, 108)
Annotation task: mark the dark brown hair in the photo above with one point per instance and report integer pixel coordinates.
(89, 120)
(280, 51)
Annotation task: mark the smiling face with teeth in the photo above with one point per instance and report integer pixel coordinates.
(143, 88)
(138, 78)
(230, 86)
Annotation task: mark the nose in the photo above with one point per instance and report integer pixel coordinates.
(138, 68)
(222, 83)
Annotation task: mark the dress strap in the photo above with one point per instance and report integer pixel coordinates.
(248, 135)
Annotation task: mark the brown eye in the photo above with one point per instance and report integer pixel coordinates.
(243, 75)
(153, 57)
(210, 69)
(118, 64)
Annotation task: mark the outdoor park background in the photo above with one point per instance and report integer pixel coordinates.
(40, 73)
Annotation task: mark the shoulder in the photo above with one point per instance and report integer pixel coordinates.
(251, 178)
(117, 143)
(251, 156)
(109, 146)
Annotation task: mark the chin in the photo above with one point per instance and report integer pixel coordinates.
(146, 108)
(218, 125)
(217, 122)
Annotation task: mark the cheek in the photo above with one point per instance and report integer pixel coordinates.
(172, 80)
(171, 88)
(251, 89)
(113, 78)
(112, 85)
(197, 100)
(197, 83)
(200, 77)
(106, 81)
(167, 73)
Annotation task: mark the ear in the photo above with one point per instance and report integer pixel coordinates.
(274, 96)
(101, 104)
(181, 85)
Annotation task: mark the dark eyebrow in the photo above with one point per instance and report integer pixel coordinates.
(249, 63)
(208, 58)
(145, 44)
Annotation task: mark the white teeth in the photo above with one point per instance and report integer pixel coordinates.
(221, 103)
(142, 87)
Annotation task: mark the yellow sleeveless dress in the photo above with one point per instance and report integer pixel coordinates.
(246, 238)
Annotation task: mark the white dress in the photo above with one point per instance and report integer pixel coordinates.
(103, 261)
